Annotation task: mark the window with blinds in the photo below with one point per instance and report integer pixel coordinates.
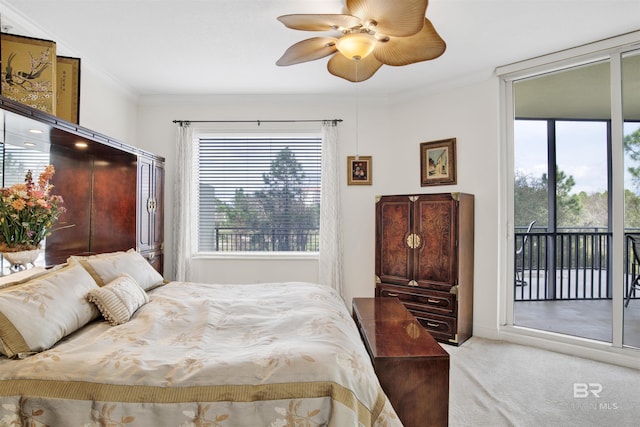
(259, 194)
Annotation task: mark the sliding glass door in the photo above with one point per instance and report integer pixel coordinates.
(565, 190)
(631, 138)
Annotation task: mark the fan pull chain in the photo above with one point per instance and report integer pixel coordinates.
(357, 113)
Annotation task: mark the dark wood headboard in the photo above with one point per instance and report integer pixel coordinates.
(106, 186)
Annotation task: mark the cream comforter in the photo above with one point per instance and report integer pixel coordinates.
(285, 354)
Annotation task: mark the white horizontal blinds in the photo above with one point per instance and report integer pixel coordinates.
(259, 193)
(19, 159)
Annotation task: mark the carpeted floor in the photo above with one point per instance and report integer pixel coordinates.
(496, 384)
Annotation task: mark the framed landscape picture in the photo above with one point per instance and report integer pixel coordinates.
(29, 71)
(438, 162)
(359, 170)
(68, 89)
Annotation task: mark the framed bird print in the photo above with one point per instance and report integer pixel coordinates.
(28, 72)
(68, 89)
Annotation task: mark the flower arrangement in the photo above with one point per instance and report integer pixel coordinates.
(28, 211)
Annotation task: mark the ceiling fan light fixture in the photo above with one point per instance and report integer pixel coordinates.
(356, 45)
(373, 33)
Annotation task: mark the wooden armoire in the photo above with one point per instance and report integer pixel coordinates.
(424, 257)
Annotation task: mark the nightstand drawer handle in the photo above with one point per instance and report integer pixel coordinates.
(433, 301)
(391, 294)
(433, 325)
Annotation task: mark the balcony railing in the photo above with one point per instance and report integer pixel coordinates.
(570, 264)
(248, 239)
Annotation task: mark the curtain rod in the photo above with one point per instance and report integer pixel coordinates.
(187, 122)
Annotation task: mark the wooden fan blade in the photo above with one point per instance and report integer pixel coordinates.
(308, 50)
(354, 71)
(425, 45)
(399, 18)
(318, 22)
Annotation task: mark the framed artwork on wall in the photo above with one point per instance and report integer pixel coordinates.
(68, 89)
(438, 162)
(29, 71)
(359, 170)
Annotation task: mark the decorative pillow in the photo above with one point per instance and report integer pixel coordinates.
(38, 313)
(104, 268)
(118, 300)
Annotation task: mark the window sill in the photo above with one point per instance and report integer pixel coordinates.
(256, 255)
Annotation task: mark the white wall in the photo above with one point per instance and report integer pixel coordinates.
(469, 114)
(157, 134)
(391, 134)
(107, 108)
(391, 131)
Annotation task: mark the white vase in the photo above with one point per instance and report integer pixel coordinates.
(21, 259)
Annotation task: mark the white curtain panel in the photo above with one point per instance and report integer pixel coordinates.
(330, 261)
(182, 236)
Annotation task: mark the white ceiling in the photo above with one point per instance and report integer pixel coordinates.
(186, 47)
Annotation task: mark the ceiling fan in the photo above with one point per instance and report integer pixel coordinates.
(372, 33)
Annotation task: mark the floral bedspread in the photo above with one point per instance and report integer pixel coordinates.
(279, 354)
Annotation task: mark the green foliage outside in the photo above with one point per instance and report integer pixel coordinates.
(531, 201)
(576, 210)
(632, 148)
(276, 218)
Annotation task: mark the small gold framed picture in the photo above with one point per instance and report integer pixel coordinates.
(438, 162)
(359, 170)
(68, 89)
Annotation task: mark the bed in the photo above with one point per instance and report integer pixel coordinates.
(104, 340)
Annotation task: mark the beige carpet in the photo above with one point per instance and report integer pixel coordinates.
(497, 384)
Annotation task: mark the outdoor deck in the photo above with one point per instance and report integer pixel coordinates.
(582, 318)
(563, 285)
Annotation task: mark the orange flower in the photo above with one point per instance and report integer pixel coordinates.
(38, 194)
(24, 228)
(46, 176)
(18, 188)
(18, 204)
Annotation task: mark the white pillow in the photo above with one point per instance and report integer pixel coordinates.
(104, 268)
(119, 299)
(21, 276)
(38, 313)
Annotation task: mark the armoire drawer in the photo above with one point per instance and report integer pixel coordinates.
(421, 299)
(441, 327)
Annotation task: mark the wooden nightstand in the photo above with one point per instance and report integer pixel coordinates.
(412, 367)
